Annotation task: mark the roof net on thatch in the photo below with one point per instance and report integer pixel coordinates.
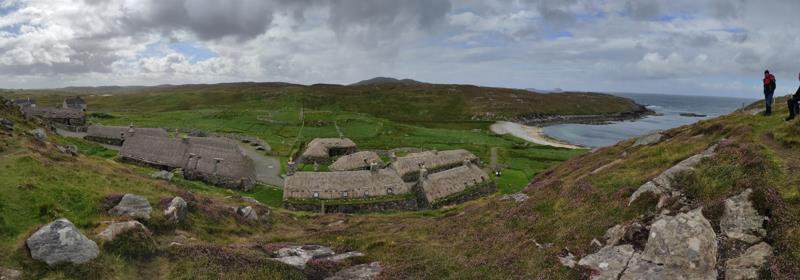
(320, 147)
(166, 151)
(54, 113)
(452, 181)
(117, 132)
(356, 161)
(410, 164)
(332, 185)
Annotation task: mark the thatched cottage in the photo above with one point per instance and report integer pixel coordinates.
(74, 103)
(213, 160)
(454, 185)
(344, 184)
(409, 166)
(356, 161)
(66, 117)
(323, 150)
(25, 103)
(116, 135)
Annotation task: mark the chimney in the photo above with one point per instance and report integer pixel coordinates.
(197, 161)
(423, 173)
(131, 131)
(189, 160)
(373, 167)
(216, 164)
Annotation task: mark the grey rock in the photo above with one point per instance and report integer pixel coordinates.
(740, 220)
(609, 262)
(359, 272)
(114, 229)
(162, 175)
(648, 139)
(251, 200)
(10, 274)
(639, 269)
(344, 256)
(61, 242)
(298, 256)
(38, 134)
(661, 185)
(133, 206)
(517, 197)
(71, 150)
(614, 235)
(6, 124)
(567, 260)
(748, 264)
(248, 213)
(176, 210)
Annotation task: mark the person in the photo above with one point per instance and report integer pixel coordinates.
(794, 106)
(769, 90)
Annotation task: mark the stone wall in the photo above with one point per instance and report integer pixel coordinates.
(108, 141)
(386, 206)
(467, 195)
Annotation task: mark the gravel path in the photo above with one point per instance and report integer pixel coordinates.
(268, 169)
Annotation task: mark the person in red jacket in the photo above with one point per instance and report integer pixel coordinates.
(794, 104)
(769, 90)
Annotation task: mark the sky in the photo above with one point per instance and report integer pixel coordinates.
(696, 47)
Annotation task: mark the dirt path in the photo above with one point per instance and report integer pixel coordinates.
(531, 134)
(268, 169)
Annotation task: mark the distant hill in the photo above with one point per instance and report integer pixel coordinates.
(386, 81)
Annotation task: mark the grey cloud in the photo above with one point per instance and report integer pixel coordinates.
(367, 21)
(643, 9)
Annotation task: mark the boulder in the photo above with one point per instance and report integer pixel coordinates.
(298, 256)
(359, 272)
(740, 221)
(648, 139)
(517, 197)
(61, 242)
(116, 228)
(748, 264)
(614, 235)
(10, 274)
(567, 259)
(162, 175)
(133, 206)
(176, 210)
(248, 213)
(38, 134)
(6, 124)
(71, 150)
(661, 185)
(251, 200)
(609, 262)
(344, 256)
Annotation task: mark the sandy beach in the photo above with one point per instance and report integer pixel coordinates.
(531, 134)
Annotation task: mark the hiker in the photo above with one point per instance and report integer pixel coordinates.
(794, 107)
(769, 90)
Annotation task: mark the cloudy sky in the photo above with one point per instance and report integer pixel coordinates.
(708, 47)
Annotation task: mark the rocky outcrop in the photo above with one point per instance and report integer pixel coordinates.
(517, 197)
(38, 134)
(247, 213)
(162, 175)
(61, 242)
(114, 229)
(6, 124)
(298, 256)
(133, 206)
(740, 221)
(176, 210)
(359, 272)
(662, 187)
(648, 139)
(748, 264)
(678, 247)
(10, 274)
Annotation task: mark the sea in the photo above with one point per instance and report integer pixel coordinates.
(668, 110)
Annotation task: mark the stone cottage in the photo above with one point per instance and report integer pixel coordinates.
(68, 119)
(409, 166)
(74, 103)
(324, 150)
(25, 103)
(116, 135)
(356, 161)
(213, 160)
(454, 185)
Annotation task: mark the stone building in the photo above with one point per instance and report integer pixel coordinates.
(324, 150)
(344, 184)
(67, 119)
(409, 166)
(25, 103)
(76, 103)
(116, 135)
(356, 161)
(454, 185)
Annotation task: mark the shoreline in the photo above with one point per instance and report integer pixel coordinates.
(532, 134)
(542, 121)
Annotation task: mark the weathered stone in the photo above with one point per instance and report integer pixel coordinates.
(298, 256)
(358, 272)
(6, 124)
(639, 269)
(748, 264)
(248, 213)
(648, 139)
(176, 210)
(609, 262)
(661, 185)
(71, 150)
(517, 197)
(740, 220)
(567, 260)
(133, 206)
(162, 175)
(10, 274)
(344, 256)
(38, 134)
(614, 235)
(61, 242)
(116, 228)
(251, 200)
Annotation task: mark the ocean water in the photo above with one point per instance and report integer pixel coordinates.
(668, 108)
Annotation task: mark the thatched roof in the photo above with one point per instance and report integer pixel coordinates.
(74, 102)
(320, 147)
(27, 102)
(410, 164)
(54, 113)
(357, 161)
(331, 185)
(166, 151)
(117, 132)
(234, 163)
(442, 184)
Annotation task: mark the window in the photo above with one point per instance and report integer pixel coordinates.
(316, 194)
(390, 191)
(345, 194)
